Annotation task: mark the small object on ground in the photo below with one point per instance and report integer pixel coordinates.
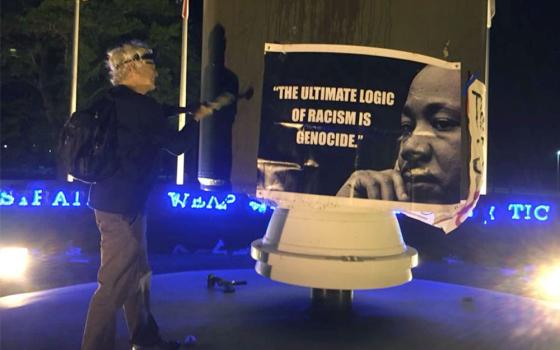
(227, 286)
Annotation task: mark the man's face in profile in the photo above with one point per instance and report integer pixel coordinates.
(147, 74)
(430, 145)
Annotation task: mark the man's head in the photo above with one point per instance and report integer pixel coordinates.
(430, 145)
(132, 64)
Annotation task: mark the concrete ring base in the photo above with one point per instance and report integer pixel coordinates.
(333, 272)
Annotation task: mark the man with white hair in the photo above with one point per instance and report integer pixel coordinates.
(142, 130)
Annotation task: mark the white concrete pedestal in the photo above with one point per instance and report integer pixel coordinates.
(334, 249)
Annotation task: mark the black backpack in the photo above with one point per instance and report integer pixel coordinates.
(87, 147)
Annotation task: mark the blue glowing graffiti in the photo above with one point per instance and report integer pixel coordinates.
(176, 199)
(40, 198)
(258, 207)
(6, 198)
(519, 211)
(526, 211)
(515, 212)
(180, 200)
(491, 212)
(538, 212)
(60, 199)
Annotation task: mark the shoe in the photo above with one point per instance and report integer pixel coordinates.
(160, 345)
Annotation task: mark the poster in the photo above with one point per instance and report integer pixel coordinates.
(364, 123)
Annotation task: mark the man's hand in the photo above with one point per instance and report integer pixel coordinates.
(202, 112)
(386, 185)
(221, 101)
(206, 110)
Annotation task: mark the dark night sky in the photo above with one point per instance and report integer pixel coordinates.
(524, 121)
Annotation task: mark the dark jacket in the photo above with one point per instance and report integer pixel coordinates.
(143, 129)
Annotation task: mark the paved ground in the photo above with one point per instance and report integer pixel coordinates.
(60, 270)
(268, 315)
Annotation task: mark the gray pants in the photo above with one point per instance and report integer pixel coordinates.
(123, 281)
